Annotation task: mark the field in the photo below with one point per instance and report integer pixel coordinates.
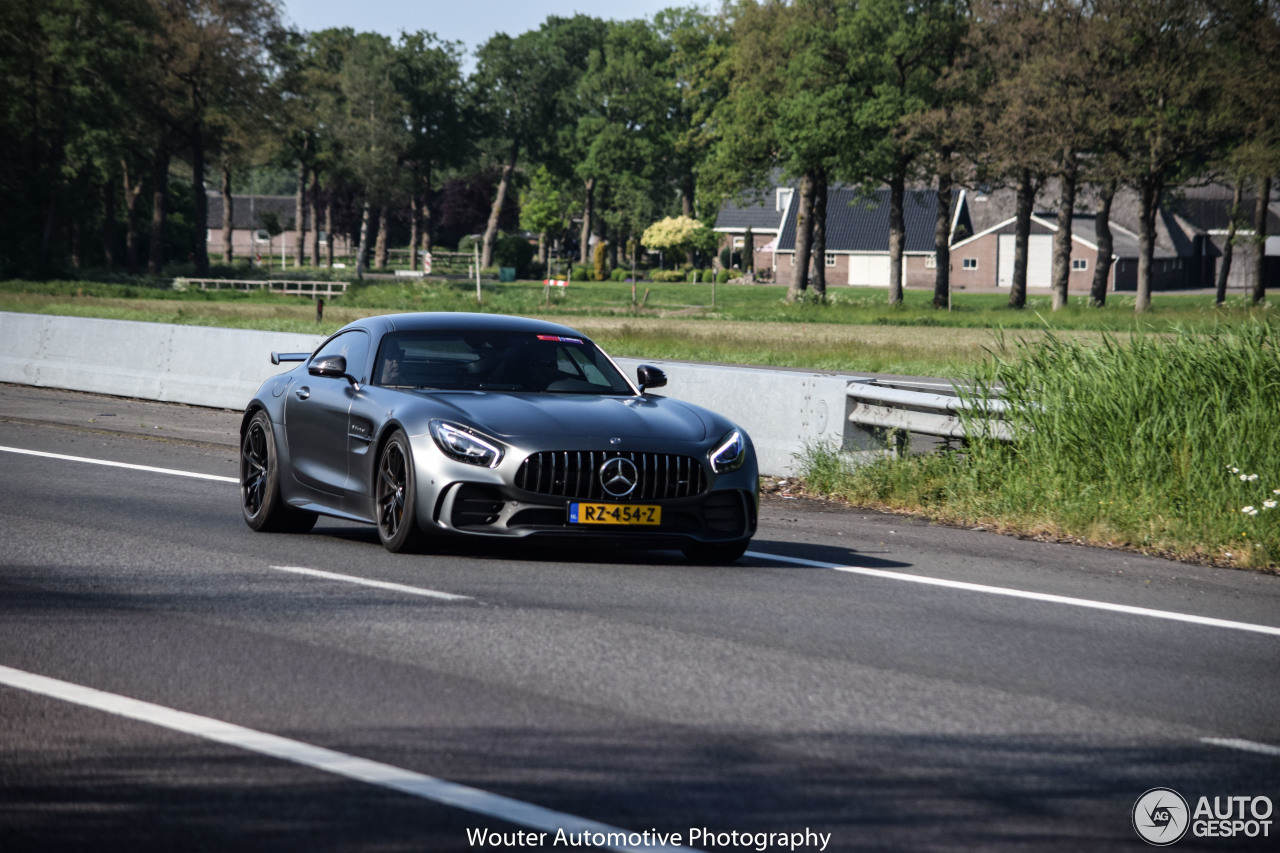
(1155, 433)
(855, 331)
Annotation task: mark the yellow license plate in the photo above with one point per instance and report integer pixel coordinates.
(584, 513)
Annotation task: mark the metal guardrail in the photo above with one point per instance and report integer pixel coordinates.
(885, 407)
(289, 287)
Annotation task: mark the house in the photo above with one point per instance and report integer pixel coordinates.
(1190, 231)
(857, 251)
(762, 213)
(986, 259)
(249, 233)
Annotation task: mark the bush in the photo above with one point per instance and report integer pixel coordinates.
(582, 272)
(514, 251)
(722, 276)
(669, 275)
(600, 261)
(619, 274)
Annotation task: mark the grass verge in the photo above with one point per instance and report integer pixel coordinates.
(1164, 443)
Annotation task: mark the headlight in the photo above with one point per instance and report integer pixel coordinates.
(464, 445)
(729, 454)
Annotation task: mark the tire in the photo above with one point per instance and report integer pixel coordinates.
(716, 553)
(395, 497)
(260, 502)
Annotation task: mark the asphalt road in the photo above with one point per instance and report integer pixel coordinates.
(877, 682)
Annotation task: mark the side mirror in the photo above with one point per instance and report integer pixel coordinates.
(333, 366)
(648, 376)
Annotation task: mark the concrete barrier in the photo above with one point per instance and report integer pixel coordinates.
(782, 410)
(196, 365)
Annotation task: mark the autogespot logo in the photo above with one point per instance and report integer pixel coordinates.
(1160, 816)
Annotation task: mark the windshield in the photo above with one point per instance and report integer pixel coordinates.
(496, 361)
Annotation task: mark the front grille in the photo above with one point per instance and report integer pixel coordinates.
(575, 474)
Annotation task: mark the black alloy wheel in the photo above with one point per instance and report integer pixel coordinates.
(260, 501)
(395, 496)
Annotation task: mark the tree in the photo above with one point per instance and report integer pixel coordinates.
(894, 52)
(518, 84)
(785, 110)
(1170, 88)
(429, 79)
(211, 53)
(545, 208)
(679, 234)
(1248, 52)
(372, 132)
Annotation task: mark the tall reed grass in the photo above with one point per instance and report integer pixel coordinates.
(1165, 443)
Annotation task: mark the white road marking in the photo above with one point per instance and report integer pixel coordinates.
(1245, 745)
(128, 465)
(388, 776)
(1033, 596)
(394, 587)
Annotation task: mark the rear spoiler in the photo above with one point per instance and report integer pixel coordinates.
(277, 357)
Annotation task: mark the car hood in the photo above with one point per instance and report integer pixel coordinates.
(515, 415)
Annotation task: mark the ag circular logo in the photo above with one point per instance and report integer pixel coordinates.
(619, 477)
(1160, 817)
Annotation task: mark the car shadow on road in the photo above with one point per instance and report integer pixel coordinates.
(789, 555)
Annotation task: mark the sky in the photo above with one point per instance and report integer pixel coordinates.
(471, 22)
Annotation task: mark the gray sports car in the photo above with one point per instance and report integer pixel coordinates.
(433, 425)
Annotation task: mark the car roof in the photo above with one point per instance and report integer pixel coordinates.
(459, 320)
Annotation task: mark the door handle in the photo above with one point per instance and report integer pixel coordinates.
(303, 393)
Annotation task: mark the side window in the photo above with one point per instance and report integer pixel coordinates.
(353, 346)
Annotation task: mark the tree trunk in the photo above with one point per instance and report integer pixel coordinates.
(820, 235)
(1149, 201)
(686, 194)
(1260, 235)
(315, 221)
(1224, 271)
(491, 230)
(748, 258)
(1062, 239)
(1021, 239)
(108, 226)
(328, 232)
(300, 209)
(1102, 269)
(588, 210)
(415, 220)
(201, 200)
(804, 239)
(942, 236)
(227, 223)
(132, 192)
(897, 235)
(380, 247)
(427, 225)
(364, 239)
(160, 198)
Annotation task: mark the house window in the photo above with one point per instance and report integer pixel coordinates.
(1079, 264)
(781, 198)
(931, 262)
(793, 259)
(831, 259)
(970, 263)
(739, 242)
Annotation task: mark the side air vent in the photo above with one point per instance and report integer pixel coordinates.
(476, 506)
